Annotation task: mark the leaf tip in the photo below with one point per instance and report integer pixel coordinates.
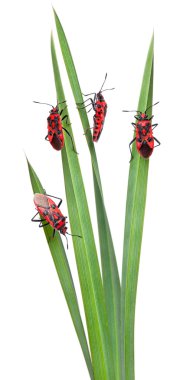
(152, 39)
(28, 163)
(55, 13)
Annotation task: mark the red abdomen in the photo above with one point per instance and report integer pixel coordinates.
(144, 138)
(99, 118)
(145, 151)
(55, 131)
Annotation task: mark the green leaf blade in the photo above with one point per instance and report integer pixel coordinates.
(85, 252)
(65, 276)
(135, 208)
(111, 279)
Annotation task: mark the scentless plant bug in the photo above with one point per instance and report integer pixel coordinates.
(55, 127)
(99, 105)
(144, 134)
(51, 214)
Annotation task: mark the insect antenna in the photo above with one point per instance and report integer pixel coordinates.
(151, 106)
(74, 235)
(92, 93)
(62, 102)
(103, 82)
(43, 103)
(70, 235)
(108, 89)
(131, 111)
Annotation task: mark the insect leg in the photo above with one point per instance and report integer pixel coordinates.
(131, 149)
(66, 117)
(55, 198)
(80, 103)
(134, 125)
(82, 108)
(46, 138)
(43, 225)
(151, 117)
(92, 103)
(71, 140)
(157, 142)
(154, 125)
(90, 110)
(36, 220)
(87, 130)
(63, 110)
(61, 102)
(74, 235)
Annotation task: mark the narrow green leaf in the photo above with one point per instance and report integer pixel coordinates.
(85, 252)
(72, 75)
(135, 208)
(111, 280)
(64, 274)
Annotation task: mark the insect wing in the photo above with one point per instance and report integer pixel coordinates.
(42, 205)
(41, 200)
(145, 150)
(56, 142)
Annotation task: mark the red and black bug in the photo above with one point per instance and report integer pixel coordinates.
(55, 127)
(144, 134)
(99, 105)
(51, 214)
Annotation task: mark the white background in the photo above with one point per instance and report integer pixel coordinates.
(37, 339)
